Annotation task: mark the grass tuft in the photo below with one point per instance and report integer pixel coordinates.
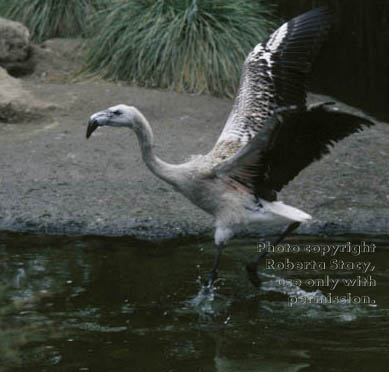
(51, 18)
(186, 45)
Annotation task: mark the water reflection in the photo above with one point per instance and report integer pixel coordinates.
(114, 304)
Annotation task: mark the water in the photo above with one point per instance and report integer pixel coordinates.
(99, 304)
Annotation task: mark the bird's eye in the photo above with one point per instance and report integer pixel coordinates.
(117, 112)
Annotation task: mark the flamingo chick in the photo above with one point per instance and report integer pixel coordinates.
(269, 137)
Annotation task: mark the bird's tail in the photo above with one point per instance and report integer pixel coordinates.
(285, 211)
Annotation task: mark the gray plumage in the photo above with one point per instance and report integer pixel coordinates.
(269, 137)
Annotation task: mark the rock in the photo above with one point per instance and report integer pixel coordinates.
(58, 59)
(17, 104)
(15, 49)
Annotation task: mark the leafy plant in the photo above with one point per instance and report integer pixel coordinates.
(186, 45)
(51, 18)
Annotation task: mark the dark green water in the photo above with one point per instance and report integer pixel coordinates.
(99, 304)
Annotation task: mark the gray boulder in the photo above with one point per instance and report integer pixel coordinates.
(17, 104)
(15, 49)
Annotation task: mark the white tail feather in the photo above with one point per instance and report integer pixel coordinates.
(286, 211)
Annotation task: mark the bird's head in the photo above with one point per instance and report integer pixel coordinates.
(115, 116)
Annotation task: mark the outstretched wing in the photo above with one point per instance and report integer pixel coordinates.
(275, 75)
(288, 143)
(307, 137)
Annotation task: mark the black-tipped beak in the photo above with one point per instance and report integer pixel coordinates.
(92, 126)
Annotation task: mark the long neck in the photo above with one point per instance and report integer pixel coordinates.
(146, 141)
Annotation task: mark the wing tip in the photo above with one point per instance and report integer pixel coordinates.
(322, 17)
(364, 119)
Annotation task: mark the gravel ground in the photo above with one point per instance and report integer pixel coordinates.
(54, 181)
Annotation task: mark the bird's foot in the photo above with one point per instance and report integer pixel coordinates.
(211, 278)
(253, 275)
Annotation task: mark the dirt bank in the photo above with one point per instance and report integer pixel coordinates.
(53, 180)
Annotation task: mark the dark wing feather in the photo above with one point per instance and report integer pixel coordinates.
(306, 137)
(275, 75)
(288, 143)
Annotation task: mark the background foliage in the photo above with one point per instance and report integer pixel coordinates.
(185, 45)
(51, 18)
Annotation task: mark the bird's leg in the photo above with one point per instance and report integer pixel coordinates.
(252, 266)
(212, 275)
